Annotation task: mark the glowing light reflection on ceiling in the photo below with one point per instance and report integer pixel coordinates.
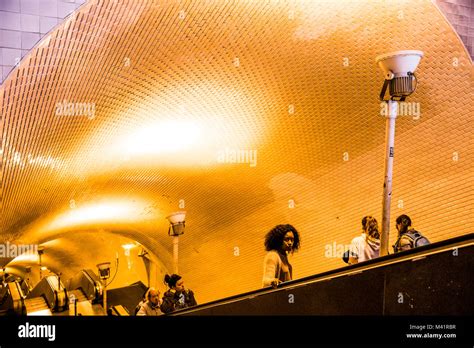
(98, 213)
(163, 137)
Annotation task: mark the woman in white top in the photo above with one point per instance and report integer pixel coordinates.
(279, 242)
(367, 245)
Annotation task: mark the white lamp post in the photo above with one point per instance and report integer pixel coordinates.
(177, 224)
(399, 68)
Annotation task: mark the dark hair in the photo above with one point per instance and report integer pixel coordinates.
(171, 280)
(371, 227)
(404, 222)
(364, 221)
(274, 238)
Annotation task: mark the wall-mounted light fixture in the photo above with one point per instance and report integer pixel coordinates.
(104, 270)
(40, 253)
(104, 274)
(177, 223)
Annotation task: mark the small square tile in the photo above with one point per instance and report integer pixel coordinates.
(65, 9)
(28, 40)
(48, 8)
(465, 11)
(10, 5)
(47, 23)
(465, 3)
(29, 7)
(11, 56)
(462, 30)
(10, 38)
(10, 20)
(30, 23)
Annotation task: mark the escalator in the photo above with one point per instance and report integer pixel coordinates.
(434, 279)
(78, 295)
(89, 285)
(36, 306)
(86, 295)
(14, 302)
(49, 290)
(83, 295)
(11, 299)
(85, 292)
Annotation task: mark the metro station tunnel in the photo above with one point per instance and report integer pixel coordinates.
(196, 140)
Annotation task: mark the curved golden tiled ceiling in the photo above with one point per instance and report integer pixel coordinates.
(294, 80)
(68, 256)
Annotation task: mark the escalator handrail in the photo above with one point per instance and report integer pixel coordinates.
(407, 255)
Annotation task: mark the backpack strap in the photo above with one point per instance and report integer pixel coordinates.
(412, 235)
(405, 236)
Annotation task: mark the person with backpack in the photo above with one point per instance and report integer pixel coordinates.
(408, 237)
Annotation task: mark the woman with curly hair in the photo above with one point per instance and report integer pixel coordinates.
(281, 241)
